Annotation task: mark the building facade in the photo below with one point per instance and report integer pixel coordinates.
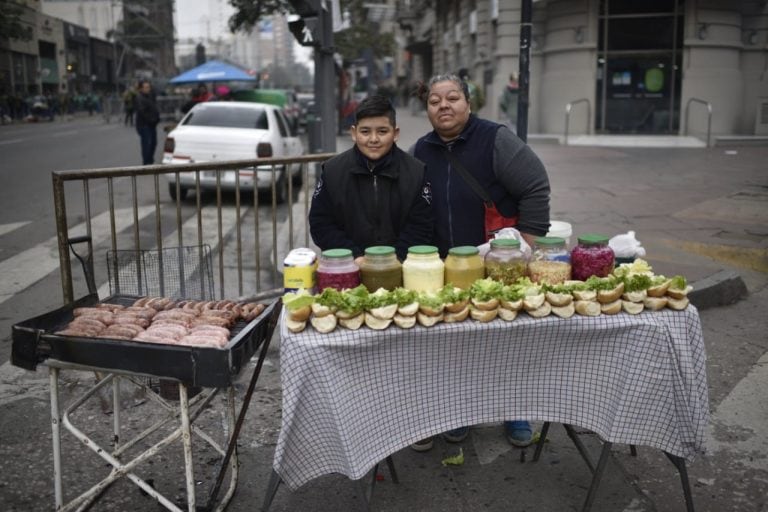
(624, 66)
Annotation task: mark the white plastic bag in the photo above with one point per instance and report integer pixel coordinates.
(626, 246)
(507, 233)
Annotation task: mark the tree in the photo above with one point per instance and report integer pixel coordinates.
(10, 21)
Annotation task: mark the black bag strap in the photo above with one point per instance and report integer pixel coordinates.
(471, 181)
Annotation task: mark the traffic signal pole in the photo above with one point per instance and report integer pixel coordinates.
(325, 81)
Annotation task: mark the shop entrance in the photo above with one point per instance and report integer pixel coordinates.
(638, 66)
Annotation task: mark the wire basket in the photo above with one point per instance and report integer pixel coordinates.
(174, 272)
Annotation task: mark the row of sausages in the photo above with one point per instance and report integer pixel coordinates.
(163, 320)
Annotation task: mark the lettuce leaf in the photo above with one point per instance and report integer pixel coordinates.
(636, 282)
(404, 297)
(485, 289)
(297, 300)
(601, 283)
(678, 283)
(451, 294)
(639, 266)
(432, 300)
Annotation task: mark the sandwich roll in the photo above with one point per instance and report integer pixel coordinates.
(409, 309)
(507, 314)
(633, 308)
(385, 312)
(295, 325)
(677, 293)
(323, 324)
(456, 307)
(566, 311)
(377, 323)
(611, 308)
(559, 299)
(485, 305)
(677, 304)
(428, 320)
(319, 310)
(660, 289)
(483, 315)
(456, 316)
(636, 296)
(542, 311)
(300, 314)
(344, 314)
(606, 296)
(512, 305)
(431, 310)
(587, 307)
(531, 302)
(352, 323)
(655, 303)
(405, 321)
(584, 294)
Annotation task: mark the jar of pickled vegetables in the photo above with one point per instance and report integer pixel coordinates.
(381, 269)
(423, 270)
(505, 262)
(592, 256)
(464, 266)
(551, 262)
(337, 269)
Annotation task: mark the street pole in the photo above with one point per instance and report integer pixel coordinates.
(325, 80)
(524, 74)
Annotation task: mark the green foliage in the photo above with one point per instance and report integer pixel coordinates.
(10, 21)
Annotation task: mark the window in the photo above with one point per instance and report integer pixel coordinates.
(228, 117)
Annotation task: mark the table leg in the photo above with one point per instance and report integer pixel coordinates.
(597, 476)
(274, 483)
(116, 411)
(542, 440)
(579, 446)
(368, 488)
(53, 375)
(186, 438)
(679, 463)
(391, 466)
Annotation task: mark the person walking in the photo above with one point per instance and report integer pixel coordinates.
(508, 102)
(476, 94)
(129, 99)
(509, 171)
(147, 118)
(374, 193)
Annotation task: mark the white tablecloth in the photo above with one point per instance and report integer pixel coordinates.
(351, 398)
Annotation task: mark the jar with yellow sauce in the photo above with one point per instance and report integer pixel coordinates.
(464, 266)
(423, 270)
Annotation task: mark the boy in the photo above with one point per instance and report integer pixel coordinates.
(373, 193)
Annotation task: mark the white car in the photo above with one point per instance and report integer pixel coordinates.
(232, 130)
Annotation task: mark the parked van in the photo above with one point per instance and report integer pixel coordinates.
(284, 98)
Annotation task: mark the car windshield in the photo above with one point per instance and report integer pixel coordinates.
(229, 118)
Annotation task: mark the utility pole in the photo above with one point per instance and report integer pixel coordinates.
(524, 82)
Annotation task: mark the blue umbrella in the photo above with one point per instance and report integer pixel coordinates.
(213, 71)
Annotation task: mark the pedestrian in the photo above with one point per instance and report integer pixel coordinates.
(147, 117)
(503, 165)
(508, 102)
(374, 193)
(129, 99)
(476, 94)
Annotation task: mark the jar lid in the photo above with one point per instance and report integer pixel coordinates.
(379, 250)
(337, 253)
(463, 250)
(505, 242)
(422, 249)
(593, 239)
(550, 240)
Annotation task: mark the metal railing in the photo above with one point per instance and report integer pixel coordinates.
(121, 208)
(568, 109)
(709, 116)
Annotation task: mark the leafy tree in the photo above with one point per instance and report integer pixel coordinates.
(10, 21)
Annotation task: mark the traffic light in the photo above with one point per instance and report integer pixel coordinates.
(306, 31)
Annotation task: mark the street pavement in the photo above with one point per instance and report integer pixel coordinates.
(702, 213)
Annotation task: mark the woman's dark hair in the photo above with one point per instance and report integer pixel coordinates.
(375, 106)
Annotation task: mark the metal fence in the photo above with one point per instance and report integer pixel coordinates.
(101, 210)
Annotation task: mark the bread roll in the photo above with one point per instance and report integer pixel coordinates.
(352, 323)
(456, 307)
(325, 323)
(633, 308)
(409, 309)
(566, 311)
(611, 308)
(636, 296)
(485, 305)
(346, 314)
(431, 310)
(484, 315)
(507, 314)
(587, 307)
(319, 310)
(677, 293)
(542, 311)
(532, 302)
(377, 323)
(606, 296)
(428, 320)
(655, 303)
(584, 294)
(659, 290)
(456, 316)
(384, 312)
(405, 321)
(512, 305)
(559, 299)
(677, 304)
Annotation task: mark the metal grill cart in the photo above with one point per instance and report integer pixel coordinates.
(142, 364)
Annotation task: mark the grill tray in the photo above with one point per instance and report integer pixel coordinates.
(34, 342)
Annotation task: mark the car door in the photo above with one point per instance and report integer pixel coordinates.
(291, 144)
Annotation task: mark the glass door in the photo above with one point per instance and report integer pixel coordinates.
(639, 62)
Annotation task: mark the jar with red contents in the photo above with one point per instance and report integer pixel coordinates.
(592, 257)
(337, 269)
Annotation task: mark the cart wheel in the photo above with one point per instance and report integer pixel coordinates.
(172, 191)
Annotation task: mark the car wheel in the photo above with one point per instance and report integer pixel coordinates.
(172, 191)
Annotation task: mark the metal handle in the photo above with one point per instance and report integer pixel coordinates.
(568, 108)
(709, 116)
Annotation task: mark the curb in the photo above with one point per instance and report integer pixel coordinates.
(720, 289)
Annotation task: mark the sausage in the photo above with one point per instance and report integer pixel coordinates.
(87, 322)
(176, 314)
(210, 328)
(203, 341)
(124, 329)
(142, 311)
(210, 320)
(125, 318)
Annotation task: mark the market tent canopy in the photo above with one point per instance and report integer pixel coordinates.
(213, 71)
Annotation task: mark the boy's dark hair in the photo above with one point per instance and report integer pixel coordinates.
(374, 106)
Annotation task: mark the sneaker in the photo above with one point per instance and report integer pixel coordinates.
(519, 433)
(424, 445)
(456, 435)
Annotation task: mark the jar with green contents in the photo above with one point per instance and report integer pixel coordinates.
(464, 266)
(551, 262)
(380, 268)
(423, 270)
(505, 262)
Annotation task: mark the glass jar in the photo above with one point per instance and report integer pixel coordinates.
(380, 268)
(423, 270)
(463, 266)
(505, 262)
(337, 269)
(592, 256)
(551, 262)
